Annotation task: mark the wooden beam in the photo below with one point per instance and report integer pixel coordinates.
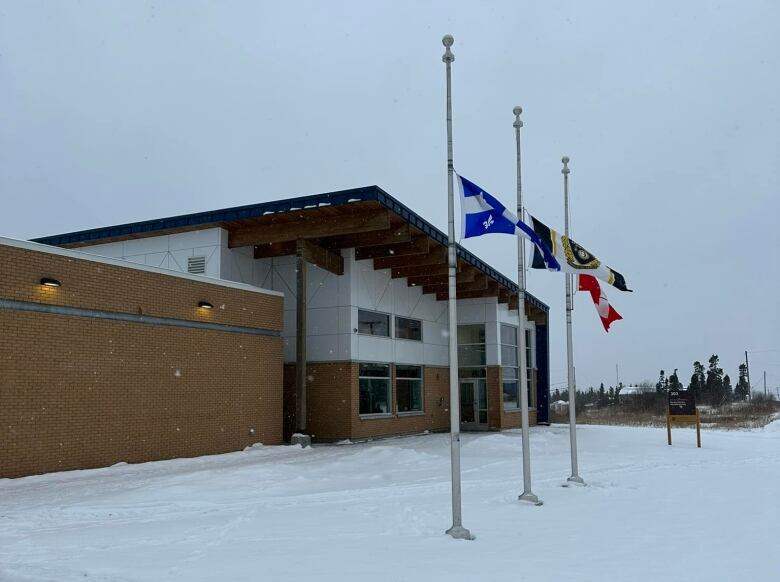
(394, 235)
(491, 291)
(425, 281)
(504, 295)
(462, 277)
(478, 284)
(280, 249)
(531, 313)
(425, 270)
(437, 255)
(399, 234)
(416, 246)
(309, 228)
(323, 258)
(418, 271)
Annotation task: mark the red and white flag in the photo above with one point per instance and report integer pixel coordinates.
(606, 312)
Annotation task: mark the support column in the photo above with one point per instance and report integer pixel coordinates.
(300, 339)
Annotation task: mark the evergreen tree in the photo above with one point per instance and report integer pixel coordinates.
(697, 380)
(674, 381)
(602, 398)
(727, 389)
(662, 383)
(714, 385)
(742, 389)
(611, 396)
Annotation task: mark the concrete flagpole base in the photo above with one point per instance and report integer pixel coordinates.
(574, 480)
(529, 497)
(459, 532)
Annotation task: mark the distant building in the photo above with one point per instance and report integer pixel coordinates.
(559, 407)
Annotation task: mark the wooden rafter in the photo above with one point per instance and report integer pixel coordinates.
(310, 228)
(395, 234)
(435, 256)
(417, 246)
(480, 283)
(278, 249)
(491, 291)
(465, 276)
(323, 258)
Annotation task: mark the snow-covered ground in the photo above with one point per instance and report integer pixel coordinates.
(378, 511)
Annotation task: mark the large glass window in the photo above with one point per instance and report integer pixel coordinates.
(530, 358)
(471, 345)
(472, 373)
(511, 388)
(510, 383)
(409, 388)
(373, 323)
(374, 382)
(406, 328)
(508, 345)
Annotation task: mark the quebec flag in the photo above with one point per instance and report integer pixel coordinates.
(483, 214)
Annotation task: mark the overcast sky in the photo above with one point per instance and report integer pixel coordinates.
(113, 112)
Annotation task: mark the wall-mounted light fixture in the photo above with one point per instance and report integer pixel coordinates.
(205, 305)
(49, 282)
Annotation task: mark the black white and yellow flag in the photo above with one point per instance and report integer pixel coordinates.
(572, 257)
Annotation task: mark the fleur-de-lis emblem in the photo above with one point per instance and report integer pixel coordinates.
(489, 222)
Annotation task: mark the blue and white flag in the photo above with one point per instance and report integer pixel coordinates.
(483, 214)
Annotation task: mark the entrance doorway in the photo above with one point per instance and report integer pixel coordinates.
(473, 404)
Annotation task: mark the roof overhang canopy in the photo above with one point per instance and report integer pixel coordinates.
(375, 224)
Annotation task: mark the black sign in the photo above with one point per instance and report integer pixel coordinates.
(681, 402)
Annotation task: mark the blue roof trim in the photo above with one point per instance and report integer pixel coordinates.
(368, 193)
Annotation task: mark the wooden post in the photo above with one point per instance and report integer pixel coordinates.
(698, 430)
(300, 338)
(668, 429)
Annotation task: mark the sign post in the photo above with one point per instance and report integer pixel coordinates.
(681, 409)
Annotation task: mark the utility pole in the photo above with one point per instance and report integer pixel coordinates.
(765, 394)
(747, 366)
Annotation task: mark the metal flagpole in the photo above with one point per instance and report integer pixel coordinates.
(457, 530)
(575, 478)
(527, 494)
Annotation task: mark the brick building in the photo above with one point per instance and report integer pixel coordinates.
(374, 361)
(102, 362)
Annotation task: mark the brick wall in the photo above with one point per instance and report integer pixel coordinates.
(435, 416)
(82, 392)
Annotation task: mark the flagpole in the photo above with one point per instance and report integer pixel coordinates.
(457, 530)
(575, 478)
(527, 494)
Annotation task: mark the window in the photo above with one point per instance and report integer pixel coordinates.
(409, 388)
(530, 354)
(471, 345)
(510, 388)
(510, 384)
(410, 329)
(374, 382)
(373, 323)
(508, 345)
(472, 374)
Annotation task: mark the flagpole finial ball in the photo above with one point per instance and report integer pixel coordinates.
(517, 110)
(448, 40)
(565, 159)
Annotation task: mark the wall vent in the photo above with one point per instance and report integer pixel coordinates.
(196, 265)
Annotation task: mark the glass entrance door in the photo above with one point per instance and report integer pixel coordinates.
(473, 404)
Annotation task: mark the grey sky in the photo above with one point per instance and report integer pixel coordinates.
(121, 111)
